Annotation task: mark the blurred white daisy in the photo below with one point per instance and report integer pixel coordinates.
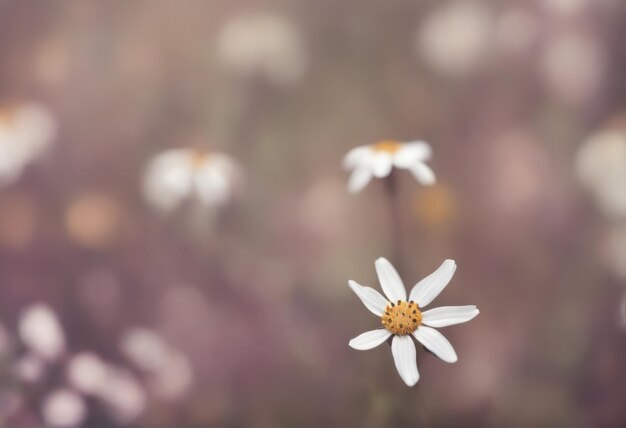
(262, 44)
(87, 372)
(41, 332)
(178, 174)
(377, 160)
(123, 395)
(456, 38)
(402, 318)
(601, 168)
(64, 408)
(26, 130)
(169, 372)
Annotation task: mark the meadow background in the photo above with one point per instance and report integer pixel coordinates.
(519, 100)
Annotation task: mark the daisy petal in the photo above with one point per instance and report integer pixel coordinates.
(390, 281)
(436, 343)
(409, 153)
(449, 315)
(371, 298)
(381, 164)
(403, 351)
(356, 157)
(423, 174)
(428, 288)
(359, 179)
(369, 339)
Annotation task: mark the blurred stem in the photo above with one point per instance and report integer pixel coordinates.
(396, 225)
(395, 220)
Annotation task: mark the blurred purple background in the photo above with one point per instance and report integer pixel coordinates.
(239, 314)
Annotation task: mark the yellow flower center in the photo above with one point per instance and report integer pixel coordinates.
(387, 146)
(199, 158)
(402, 317)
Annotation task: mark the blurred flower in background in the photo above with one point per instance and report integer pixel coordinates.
(456, 37)
(95, 220)
(86, 372)
(568, 51)
(378, 160)
(262, 44)
(26, 131)
(601, 167)
(176, 175)
(166, 372)
(41, 332)
(169, 373)
(64, 408)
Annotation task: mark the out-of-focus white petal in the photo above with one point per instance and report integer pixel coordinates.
(404, 356)
(40, 330)
(212, 185)
(382, 163)
(371, 298)
(26, 131)
(449, 315)
(144, 347)
(64, 408)
(173, 378)
(436, 343)
(356, 157)
(390, 281)
(428, 288)
(359, 178)
(168, 179)
(86, 372)
(369, 339)
(423, 173)
(123, 395)
(409, 153)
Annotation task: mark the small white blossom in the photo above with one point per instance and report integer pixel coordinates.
(404, 318)
(377, 160)
(178, 174)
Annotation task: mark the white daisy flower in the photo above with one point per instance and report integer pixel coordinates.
(403, 318)
(26, 131)
(377, 160)
(179, 174)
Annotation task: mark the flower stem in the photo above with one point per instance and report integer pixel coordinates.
(395, 220)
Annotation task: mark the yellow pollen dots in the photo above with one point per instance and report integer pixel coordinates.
(402, 317)
(387, 146)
